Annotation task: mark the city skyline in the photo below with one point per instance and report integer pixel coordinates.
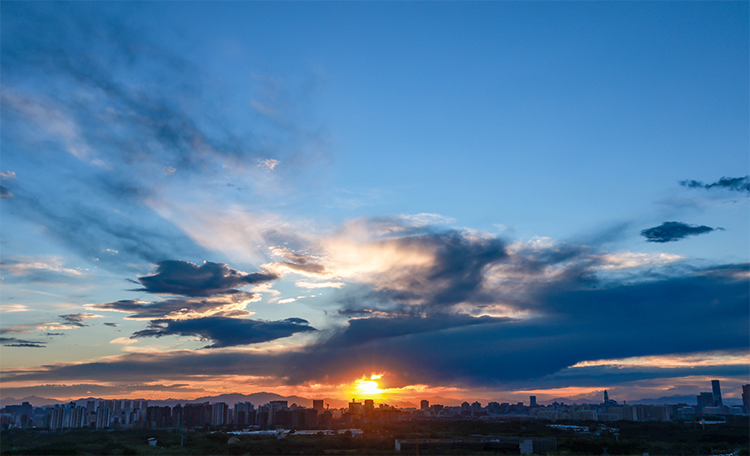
(274, 413)
(392, 200)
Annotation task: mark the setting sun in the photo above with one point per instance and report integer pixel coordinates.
(365, 388)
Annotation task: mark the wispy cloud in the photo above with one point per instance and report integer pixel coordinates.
(78, 319)
(233, 305)
(737, 184)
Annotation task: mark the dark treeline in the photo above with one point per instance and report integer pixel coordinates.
(621, 438)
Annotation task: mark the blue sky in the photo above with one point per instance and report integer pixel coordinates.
(508, 175)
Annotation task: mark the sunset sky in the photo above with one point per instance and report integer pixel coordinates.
(479, 200)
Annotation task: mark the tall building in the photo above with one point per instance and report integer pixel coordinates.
(532, 401)
(717, 393)
(424, 405)
(704, 400)
(318, 405)
(242, 413)
(219, 414)
(746, 398)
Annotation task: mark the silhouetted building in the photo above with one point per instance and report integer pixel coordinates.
(746, 398)
(424, 405)
(159, 417)
(532, 401)
(219, 414)
(197, 415)
(243, 413)
(318, 405)
(355, 408)
(704, 400)
(717, 393)
(303, 418)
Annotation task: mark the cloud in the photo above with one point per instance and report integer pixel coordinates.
(180, 309)
(363, 330)
(312, 285)
(114, 325)
(737, 184)
(675, 231)
(307, 265)
(13, 342)
(5, 193)
(94, 186)
(188, 279)
(77, 319)
(7, 175)
(41, 270)
(227, 332)
(86, 390)
(7, 308)
(573, 321)
(268, 163)
(431, 270)
(123, 341)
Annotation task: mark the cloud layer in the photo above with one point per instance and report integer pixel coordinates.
(226, 332)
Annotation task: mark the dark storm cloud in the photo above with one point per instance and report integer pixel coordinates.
(456, 273)
(188, 279)
(674, 231)
(737, 184)
(114, 325)
(180, 308)
(77, 319)
(363, 330)
(692, 312)
(226, 332)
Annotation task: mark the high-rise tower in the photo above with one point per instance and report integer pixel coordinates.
(717, 393)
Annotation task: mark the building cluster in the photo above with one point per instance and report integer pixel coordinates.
(124, 414)
(95, 414)
(709, 403)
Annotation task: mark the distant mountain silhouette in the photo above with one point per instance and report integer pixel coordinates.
(36, 401)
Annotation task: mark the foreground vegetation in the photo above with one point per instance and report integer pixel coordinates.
(655, 438)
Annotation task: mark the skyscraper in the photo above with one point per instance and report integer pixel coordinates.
(532, 401)
(717, 393)
(424, 405)
(704, 400)
(746, 398)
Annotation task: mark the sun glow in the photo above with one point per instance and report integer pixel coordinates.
(365, 388)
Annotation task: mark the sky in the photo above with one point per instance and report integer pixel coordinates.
(479, 200)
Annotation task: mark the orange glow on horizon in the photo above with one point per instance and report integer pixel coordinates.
(365, 388)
